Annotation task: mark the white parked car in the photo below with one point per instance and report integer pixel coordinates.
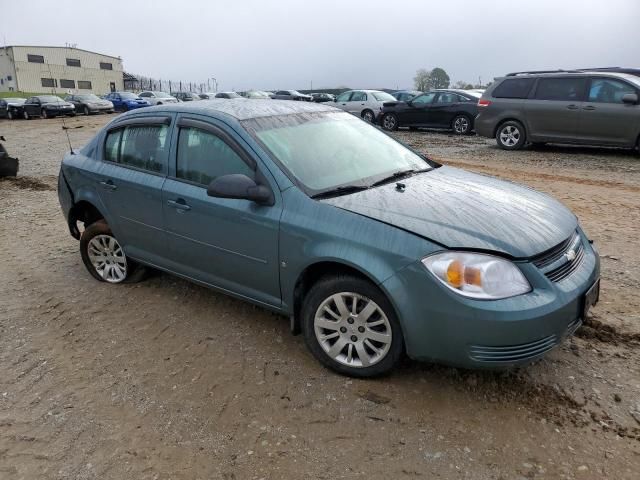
(366, 104)
(158, 98)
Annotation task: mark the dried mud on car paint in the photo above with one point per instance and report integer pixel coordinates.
(165, 379)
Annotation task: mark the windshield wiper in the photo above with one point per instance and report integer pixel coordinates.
(399, 174)
(343, 190)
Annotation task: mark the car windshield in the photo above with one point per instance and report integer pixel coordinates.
(89, 96)
(383, 97)
(128, 96)
(327, 150)
(50, 99)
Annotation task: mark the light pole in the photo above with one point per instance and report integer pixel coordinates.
(215, 84)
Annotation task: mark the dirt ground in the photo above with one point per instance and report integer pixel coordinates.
(167, 380)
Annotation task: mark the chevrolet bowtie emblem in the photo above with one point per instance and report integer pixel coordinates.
(571, 255)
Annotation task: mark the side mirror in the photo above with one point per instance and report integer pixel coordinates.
(631, 98)
(240, 187)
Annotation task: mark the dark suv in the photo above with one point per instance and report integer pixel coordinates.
(579, 107)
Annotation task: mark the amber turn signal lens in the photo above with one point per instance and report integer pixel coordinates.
(455, 274)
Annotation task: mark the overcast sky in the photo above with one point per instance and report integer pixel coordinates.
(360, 43)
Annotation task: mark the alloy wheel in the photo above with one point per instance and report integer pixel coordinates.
(389, 122)
(368, 116)
(461, 125)
(44, 113)
(510, 135)
(107, 257)
(352, 329)
(9, 115)
(86, 110)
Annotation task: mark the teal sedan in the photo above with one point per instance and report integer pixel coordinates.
(371, 249)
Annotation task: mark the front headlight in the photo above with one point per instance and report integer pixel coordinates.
(476, 275)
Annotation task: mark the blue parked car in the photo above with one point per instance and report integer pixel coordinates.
(371, 249)
(124, 101)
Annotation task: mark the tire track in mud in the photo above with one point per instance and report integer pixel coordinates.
(512, 172)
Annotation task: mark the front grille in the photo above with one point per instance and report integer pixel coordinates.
(559, 262)
(554, 253)
(567, 268)
(512, 353)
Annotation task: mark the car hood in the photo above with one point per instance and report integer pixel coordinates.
(463, 210)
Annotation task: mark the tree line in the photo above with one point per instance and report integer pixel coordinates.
(426, 80)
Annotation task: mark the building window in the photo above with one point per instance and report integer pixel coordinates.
(106, 66)
(48, 82)
(9, 78)
(35, 58)
(67, 83)
(73, 62)
(84, 85)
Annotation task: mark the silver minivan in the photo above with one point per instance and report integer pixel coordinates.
(366, 104)
(579, 107)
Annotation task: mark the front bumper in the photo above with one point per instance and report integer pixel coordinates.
(441, 326)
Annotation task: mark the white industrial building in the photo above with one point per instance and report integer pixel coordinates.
(39, 69)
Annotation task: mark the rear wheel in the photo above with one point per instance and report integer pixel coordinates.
(368, 116)
(390, 122)
(511, 135)
(104, 257)
(350, 327)
(461, 125)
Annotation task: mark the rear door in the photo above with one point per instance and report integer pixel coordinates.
(418, 111)
(228, 243)
(357, 102)
(553, 114)
(134, 165)
(32, 107)
(605, 119)
(443, 109)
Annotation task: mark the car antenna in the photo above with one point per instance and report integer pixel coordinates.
(64, 125)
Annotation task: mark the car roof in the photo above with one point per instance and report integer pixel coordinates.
(245, 109)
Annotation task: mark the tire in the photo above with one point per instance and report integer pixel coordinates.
(413, 129)
(511, 135)
(111, 111)
(86, 111)
(159, 103)
(351, 352)
(25, 115)
(43, 113)
(368, 116)
(389, 122)
(462, 125)
(10, 115)
(100, 249)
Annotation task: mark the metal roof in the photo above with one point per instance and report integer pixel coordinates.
(65, 48)
(245, 108)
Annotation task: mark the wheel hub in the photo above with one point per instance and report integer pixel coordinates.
(352, 329)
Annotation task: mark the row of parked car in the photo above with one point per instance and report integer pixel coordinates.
(589, 106)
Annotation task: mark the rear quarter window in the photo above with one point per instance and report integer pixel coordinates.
(513, 88)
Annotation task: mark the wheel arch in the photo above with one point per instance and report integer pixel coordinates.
(313, 272)
(502, 121)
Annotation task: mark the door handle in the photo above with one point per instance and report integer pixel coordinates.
(179, 204)
(589, 107)
(108, 185)
(572, 107)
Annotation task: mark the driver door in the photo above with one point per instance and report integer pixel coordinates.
(227, 243)
(418, 110)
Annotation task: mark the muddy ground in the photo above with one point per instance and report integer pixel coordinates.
(168, 380)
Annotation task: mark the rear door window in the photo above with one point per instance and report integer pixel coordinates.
(562, 89)
(359, 97)
(447, 98)
(139, 146)
(608, 90)
(514, 88)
